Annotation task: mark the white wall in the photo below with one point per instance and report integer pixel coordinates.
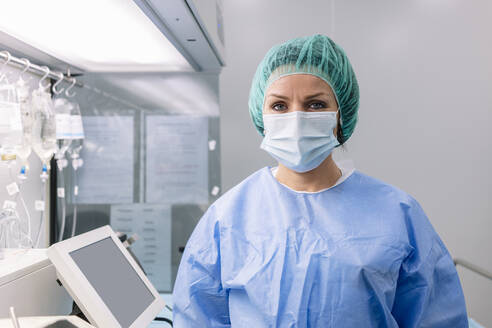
(425, 74)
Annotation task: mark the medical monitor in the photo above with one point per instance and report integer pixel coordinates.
(105, 281)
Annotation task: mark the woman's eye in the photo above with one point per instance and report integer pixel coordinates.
(317, 105)
(279, 107)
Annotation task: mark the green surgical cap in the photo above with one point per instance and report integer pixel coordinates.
(317, 55)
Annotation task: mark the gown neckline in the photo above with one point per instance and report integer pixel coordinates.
(346, 166)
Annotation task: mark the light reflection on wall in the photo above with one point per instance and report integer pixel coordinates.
(175, 93)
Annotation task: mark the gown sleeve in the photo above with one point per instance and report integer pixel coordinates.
(428, 292)
(199, 298)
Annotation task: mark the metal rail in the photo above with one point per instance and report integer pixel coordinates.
(473, 267)
(25, 64)
(36, 69)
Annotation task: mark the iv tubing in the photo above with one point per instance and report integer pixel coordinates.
(74, 217)
(28, 216)
(64, 208)
(41, 224)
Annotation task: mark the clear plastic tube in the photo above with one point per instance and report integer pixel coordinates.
(74, 224)
(28, 216)
(38, 237)
(41, 224)
(7, 235)
(3, 234)
(64, 207)
(10, 231)
(75, 192)
(13, 217)
(2, 237)
(18, 236)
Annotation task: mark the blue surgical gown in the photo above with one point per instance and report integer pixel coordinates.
(360, 254)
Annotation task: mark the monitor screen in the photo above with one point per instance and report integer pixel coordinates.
(114, 279)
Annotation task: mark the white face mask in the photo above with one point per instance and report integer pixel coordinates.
(300, 141)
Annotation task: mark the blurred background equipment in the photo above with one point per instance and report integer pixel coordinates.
(109, 123)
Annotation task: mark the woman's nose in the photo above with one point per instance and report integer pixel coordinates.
(297, 108)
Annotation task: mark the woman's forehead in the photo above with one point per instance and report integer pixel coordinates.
(300, 83)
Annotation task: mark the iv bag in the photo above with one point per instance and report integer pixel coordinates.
(10, 122)
(62, 109)
(77, 132)
(44, 126)
(24, 149)
(76, 122)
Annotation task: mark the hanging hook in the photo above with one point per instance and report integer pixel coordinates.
(46, 71)
(9, 57)
(27, 64)
(67, 92)
(60, 79)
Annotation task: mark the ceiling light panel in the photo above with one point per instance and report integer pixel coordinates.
(94, 35)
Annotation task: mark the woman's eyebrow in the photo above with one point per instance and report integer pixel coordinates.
(307, 97)
(317, 95)
(277, 96)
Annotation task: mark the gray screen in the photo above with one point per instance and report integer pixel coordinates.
(114, 279)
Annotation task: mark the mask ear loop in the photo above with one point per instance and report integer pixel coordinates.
(339, 135)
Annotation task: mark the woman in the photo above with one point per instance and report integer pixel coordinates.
(309, 243)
